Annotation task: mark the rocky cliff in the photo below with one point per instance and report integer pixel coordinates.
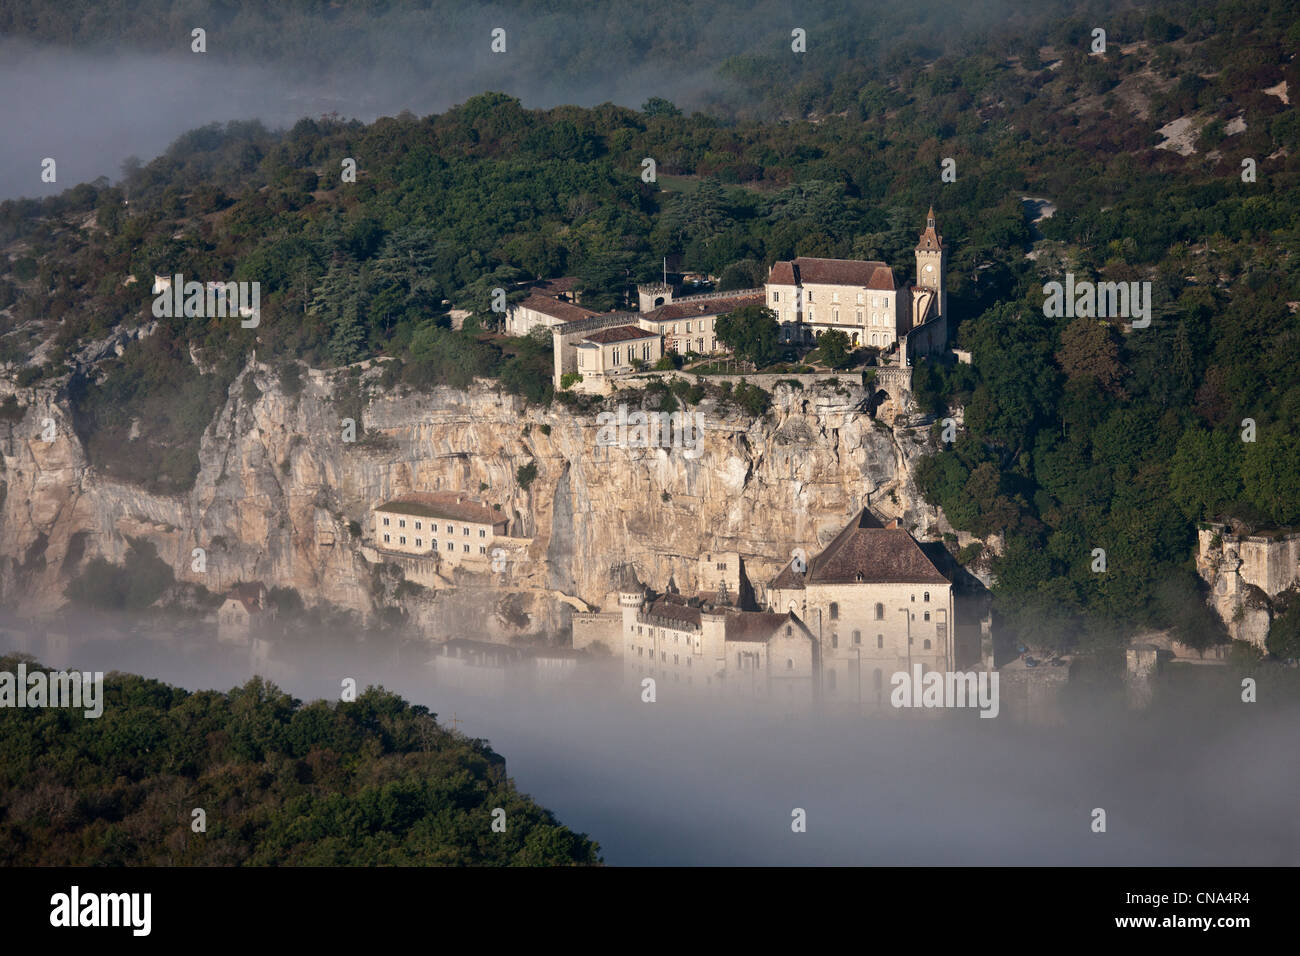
(281, 493)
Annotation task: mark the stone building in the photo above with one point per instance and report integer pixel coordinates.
(719, 649)
(860, 298)
(809, 296)
(242, 613)
(453, 527)
(877, 604)
(542, 311)
(615, 351)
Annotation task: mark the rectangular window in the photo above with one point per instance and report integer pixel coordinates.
(417, 526)
(482, 550)
(835, 297)
(402, 540)
(401, 523)
(450, 529)
(466, 530)
(451, 546)
(482, 532)
(385, 539)
(467, 549)
(385, 522)
(419, 543)
(688, 326)
(776, 296)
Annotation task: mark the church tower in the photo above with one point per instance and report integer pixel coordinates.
(932, 263)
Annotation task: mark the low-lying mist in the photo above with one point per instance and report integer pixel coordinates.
(1198, 778)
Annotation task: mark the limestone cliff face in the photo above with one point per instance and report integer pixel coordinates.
(279, 488)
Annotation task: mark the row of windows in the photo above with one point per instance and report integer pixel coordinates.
(880, 639)
(419, 543)
(876, 300)
(451, 529)
(880, 608)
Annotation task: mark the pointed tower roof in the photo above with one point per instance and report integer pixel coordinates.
(930, 239)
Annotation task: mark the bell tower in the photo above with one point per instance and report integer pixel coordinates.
(932, 263)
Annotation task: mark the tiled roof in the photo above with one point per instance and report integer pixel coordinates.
(682, 616)
(620, 333)
(759, 626)
(556, 309)
(557, 286)
(850, 272)
(865, 553)
(443, 504)
(250, 595)
(695, 308)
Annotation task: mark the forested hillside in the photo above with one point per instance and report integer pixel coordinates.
(1077, 434)
(372, 782)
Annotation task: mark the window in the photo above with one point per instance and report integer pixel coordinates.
(434, 545)
(789, 664)
(402, 540)
(880, 612)
(417, 526)
(419, 543)
(776, 296)
(451, 546)
(859, 316)
(385, 522)
(835, 297)
(467, 549)
(482, 550)
(675, 660)
(385, 539)
(926, 597)
(450, 529)
(835, 315)
(927, 615)
(688, 326)
(857, 638)
(835, 639)
(835, 611)
(880, 642)
(861, 298)
(913, 598)
(927, 643)
(482, 532)
(401, 523)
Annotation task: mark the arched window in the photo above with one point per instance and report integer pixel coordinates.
(880, 612)
(927, 597)
(835, 611)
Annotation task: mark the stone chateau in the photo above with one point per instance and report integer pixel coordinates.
(809, 296)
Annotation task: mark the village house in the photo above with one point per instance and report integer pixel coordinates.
(244, 611)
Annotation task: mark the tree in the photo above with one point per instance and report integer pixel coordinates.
(834, 347)
(752, 333)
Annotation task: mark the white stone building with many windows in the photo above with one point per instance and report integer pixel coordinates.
(451, 526)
